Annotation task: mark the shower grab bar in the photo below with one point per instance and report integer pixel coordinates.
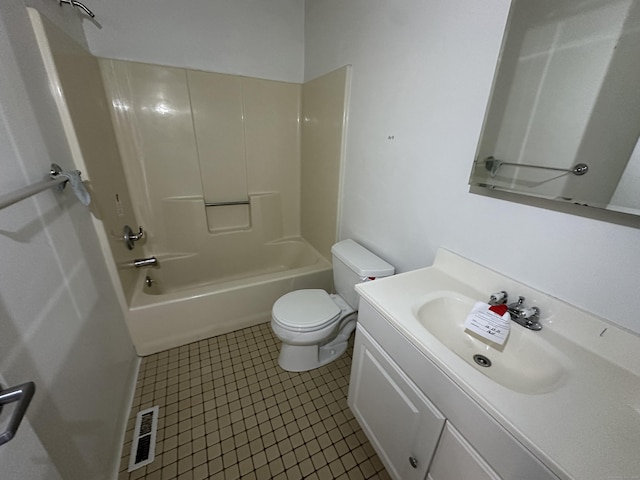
(493, 165)
(26, 192)
(224, 204)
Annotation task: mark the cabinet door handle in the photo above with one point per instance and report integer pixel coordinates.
(413, 461)
(21, 394)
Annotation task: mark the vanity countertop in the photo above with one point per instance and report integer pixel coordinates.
(588, 425)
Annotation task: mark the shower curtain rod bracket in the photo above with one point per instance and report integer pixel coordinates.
(76, 4)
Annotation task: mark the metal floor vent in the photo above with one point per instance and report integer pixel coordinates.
(144, 439)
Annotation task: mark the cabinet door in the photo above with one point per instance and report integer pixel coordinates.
(401, 423)
(455, 459)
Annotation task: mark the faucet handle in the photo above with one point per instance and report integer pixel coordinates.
(130, 238)
(499, 298)
(529, 312)
(520, 301)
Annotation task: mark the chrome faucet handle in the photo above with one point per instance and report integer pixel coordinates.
(529, 318)
(130, 237)
(498, 298)
(529, 313)
(517, 304)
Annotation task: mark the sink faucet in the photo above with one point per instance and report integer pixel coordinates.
(528, 317)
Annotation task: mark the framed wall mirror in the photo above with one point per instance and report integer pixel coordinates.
(563, 121)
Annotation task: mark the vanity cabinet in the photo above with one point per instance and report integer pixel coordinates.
(421, 424)
(456, 459)
(399, 420)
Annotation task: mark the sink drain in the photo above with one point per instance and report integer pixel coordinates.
(482, 360)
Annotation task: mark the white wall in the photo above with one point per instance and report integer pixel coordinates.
(60, 323)
(256, 38)
(63, 16)
(422, 71)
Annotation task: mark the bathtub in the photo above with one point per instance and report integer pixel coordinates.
(192, 297)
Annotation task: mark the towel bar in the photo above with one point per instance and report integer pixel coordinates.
(21, 395)
(26, 192)
(224, 204)
(493, 165)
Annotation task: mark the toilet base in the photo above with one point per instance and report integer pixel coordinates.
(301, 358)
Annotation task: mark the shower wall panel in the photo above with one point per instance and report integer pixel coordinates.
(152, 116)
(216, 103)
(272, 136)
(188, 138)
(324, 104)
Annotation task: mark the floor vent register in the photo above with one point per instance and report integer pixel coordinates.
(144, 439)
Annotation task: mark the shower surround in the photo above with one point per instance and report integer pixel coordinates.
(213, 164)
(215, 169)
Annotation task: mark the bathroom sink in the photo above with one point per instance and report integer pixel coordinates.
(525, 363)
(577, 378)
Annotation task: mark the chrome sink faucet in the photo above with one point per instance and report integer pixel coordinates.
(528, 317)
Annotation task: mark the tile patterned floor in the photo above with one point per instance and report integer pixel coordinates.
(227, 411)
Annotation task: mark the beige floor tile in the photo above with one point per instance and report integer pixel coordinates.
(228, 411)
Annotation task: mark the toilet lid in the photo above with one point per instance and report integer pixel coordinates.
(305, 310)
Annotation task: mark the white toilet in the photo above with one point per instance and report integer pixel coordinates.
(314, 326)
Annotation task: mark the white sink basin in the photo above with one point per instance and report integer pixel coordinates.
(525, 363)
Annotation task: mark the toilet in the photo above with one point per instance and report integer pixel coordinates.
(313, 325)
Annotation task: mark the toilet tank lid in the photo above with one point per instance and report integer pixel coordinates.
(361, 260)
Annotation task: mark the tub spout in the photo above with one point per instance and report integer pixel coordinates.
(145, 262)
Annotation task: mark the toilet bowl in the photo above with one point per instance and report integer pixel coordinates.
(313, 325)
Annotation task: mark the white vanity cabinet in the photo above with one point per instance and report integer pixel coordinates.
(456, 459)
(421, 424)
(401, 423)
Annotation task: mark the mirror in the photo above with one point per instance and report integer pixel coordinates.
(563, 120)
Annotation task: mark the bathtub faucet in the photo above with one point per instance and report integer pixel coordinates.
(131, 238)
(145, 262)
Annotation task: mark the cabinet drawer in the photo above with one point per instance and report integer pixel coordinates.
(399, 420)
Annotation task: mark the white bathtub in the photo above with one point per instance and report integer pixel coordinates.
(194, 297)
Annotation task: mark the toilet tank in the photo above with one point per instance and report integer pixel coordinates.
(353, 264)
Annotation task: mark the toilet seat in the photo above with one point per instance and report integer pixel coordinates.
(305, 310)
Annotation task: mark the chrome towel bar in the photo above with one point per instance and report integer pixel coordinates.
(493, 165)
(21, 395)
(58, 178)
